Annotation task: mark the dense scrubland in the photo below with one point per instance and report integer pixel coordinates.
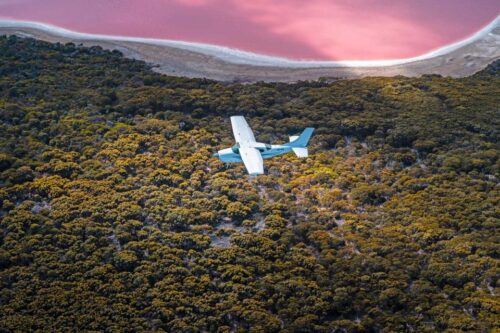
(115, 217)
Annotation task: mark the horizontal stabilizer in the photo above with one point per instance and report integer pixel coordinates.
(301, 152)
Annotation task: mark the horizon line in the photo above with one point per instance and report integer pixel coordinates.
(242, 57)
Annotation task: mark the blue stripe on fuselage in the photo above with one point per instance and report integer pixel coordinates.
(275, 152)
(231, 157)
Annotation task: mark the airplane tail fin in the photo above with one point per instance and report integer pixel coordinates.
(299, 143)
(301, 140)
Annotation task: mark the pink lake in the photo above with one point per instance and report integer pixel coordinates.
(298, 29)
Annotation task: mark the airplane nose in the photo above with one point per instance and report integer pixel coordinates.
(215, 155)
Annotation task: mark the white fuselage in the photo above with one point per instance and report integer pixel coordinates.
(232, 155)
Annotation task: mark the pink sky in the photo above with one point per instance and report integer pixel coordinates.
(299, 29)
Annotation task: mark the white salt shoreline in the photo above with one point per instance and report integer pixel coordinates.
(240, 57)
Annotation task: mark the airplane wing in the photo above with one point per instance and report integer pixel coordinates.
(241, 130)
(253, 160)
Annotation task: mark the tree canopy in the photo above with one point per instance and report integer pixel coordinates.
(115, 217)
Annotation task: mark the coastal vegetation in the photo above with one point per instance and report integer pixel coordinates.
(115, 217)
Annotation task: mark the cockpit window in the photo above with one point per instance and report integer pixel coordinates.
(236, 148)
(268, 146)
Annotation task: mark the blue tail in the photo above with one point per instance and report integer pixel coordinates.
(302, 140)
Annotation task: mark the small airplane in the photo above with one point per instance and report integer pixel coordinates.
(252, 153)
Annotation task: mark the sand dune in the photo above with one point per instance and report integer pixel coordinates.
(222, 63)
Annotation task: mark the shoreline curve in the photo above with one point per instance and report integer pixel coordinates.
(241, 57)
